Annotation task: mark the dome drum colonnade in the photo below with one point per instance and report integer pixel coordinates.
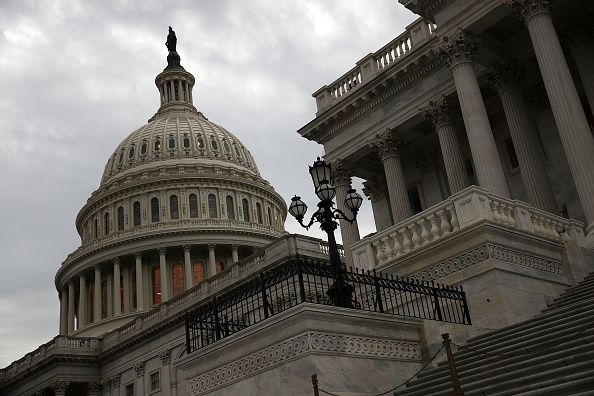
(180, 199)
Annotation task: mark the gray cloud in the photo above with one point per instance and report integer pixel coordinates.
(78, 76)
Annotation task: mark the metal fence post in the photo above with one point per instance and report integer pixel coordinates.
(188, 349)
(314, 382)
(465, 306)
(264, 296)
(378, 294)
(436, 301)
(300, 279)
(453, 373)
(216, 320)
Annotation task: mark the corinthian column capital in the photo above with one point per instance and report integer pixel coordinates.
(341, 173)
(526, 9)
(457, 49)
(375, 189)
(387, 144)
(438, 112)
(504, 74)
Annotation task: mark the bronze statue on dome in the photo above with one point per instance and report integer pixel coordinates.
(171, 41)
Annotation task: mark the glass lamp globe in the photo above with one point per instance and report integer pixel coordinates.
(325, 191)
(297, 208)
(319, 172)
(353, 200)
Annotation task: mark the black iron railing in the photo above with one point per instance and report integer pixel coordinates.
(301, 280)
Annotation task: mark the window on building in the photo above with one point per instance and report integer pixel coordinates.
(213, 143)
(96, 228)
(186, 142)
(131, 152)
(157, 145)
(156, 282)
(415, 200)
(171, 143)
(269, 216)
(143, 148)
(230, 207)
(91, 302)
(106, 223)
(198, 271)
(104, 299)
(259, 212)
(212, 206)
(177, 276)
(120, 218)
(133, 280)
(130, 390)
(193, 205)
(226, 147)
(136, 208)
(155, 379)
(219, 266)
(200, 142)
(246, 209)
(154, 209)
(174, 207)
(237, 153)
(511, 153)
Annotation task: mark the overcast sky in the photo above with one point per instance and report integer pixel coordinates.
(77, 77)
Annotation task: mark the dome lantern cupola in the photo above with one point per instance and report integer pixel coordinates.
(174, 83)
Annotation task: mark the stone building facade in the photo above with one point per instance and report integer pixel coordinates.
(473, 133)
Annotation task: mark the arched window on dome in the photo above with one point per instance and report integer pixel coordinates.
(212, 206)
(269, 216)
(200, 142)
(259, 212)
(136, 209)
(157, 145)
(143, 148)
(171, 143)
(219, 266)
(226, 147)
(121, 158)
(193, 198)
(174, 207)
(156, 283)
(213, 143)
(177, 277)
(237, 153)
(230, 207)
(106, 223)
(120, 218)
(131, 152)
(154, 209)
(186, 142)
(198, 271)
(96, 228)
(246, 209)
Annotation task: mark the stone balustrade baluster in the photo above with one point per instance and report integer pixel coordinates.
(416, 238)
(434, 231)
(379, 252)
(454, 218)
(388, 252)
(425, 235)
(445, 224)
(406, 242)
(397, 245)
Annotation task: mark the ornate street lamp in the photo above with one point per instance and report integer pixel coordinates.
(340, 292)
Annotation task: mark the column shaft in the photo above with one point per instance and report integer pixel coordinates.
(70, 306)
(164, 277)
(82, 301)
(117, 287)
(97, 296)
(64, 312)
(139, 283)
(525, 139)
(212, 266)
(452, 158)
(574, 132)
(189, 281)
(486, 159)
(397, 192)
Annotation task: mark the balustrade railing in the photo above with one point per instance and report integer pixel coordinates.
(374, 63)
(300, 280)
(457, 212)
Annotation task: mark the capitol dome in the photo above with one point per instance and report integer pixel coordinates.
(180, 200)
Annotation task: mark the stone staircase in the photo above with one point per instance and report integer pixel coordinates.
(551, 354)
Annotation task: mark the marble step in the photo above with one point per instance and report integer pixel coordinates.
(473, 371)
(581, 384)
(542, 319)
(476, 367)
(578, 293)
(564, 303)
(509, 383)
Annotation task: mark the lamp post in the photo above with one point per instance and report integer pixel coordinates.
(340, 292)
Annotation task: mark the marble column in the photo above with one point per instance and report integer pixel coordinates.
(569, 115)
(97, 295)
(93, 389)
(458, 53)
(439, 114)
(115, 384)
(70, 306)
(386, 145)
(212, 266)
(341, 180)
(139, 282)
(164, 277)
(60, 388)
(189, 281)
(117, 287)
(165, 357)
(172, 85)
(504, 77)
(82, 301)
(139, 385)
(64, 311)
(234, 253)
